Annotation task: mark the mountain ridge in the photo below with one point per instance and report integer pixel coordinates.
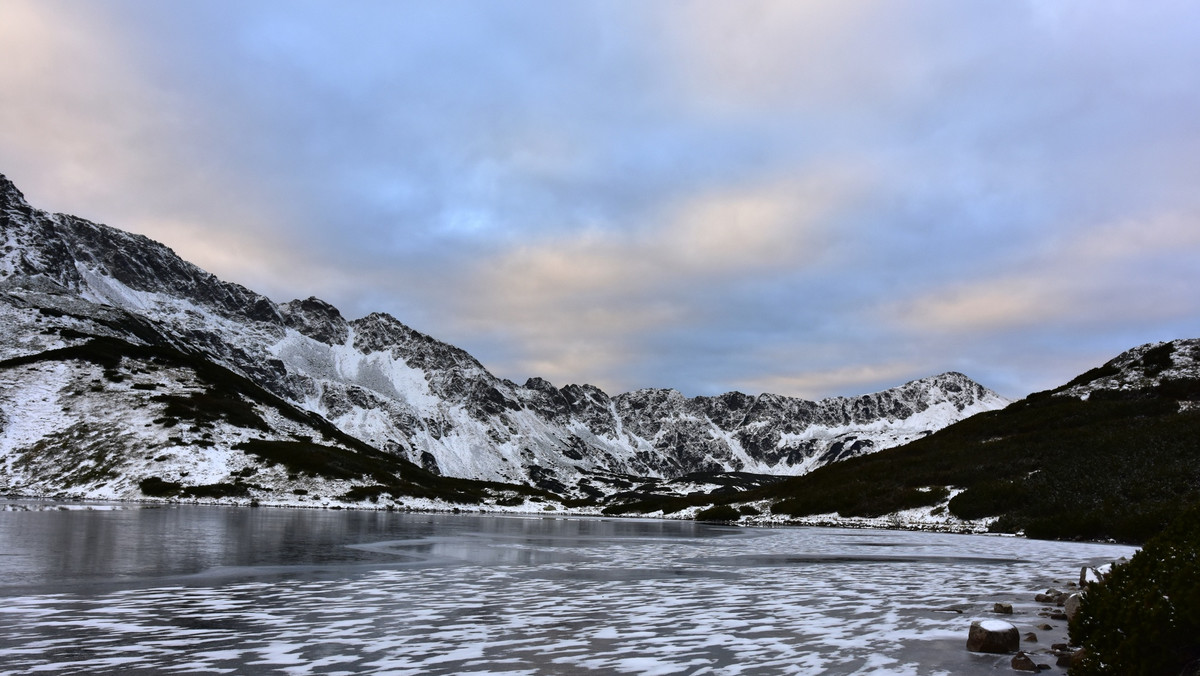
(418, 398)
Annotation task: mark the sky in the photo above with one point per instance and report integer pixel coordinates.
(805, 198)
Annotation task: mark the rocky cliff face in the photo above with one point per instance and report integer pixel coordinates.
(69, 280)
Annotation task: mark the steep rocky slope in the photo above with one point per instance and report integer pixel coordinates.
(65, 281)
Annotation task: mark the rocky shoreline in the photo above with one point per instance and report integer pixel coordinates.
(1025, 630)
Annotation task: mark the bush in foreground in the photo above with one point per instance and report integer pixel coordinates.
(1145, 619)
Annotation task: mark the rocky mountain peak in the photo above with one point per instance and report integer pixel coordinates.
(316, 319)
(112, 266)
(10, 196)
(381, 332)
(539, 384)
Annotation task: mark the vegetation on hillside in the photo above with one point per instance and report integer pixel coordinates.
(1113, 466)
(1119, 465)
(1144, 620)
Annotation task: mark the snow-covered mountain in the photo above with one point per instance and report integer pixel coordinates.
(70, 284)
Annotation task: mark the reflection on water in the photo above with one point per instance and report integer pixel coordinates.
(63, 548)
(239, 590)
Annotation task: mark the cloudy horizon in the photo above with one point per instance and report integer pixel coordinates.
(810, 199)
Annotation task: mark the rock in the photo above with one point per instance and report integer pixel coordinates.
(1070, 659)
(1071, 606)
(993, 636)
(1002, 608)
(1030, 637)
(1060, 616)
(316, 319)
(1051, 596)
(1022, 662)
(1045, 627)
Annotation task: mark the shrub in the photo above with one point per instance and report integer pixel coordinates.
(1034, 465)
(1145, 619)
(221, 490)
(158, 488)
(718, 513)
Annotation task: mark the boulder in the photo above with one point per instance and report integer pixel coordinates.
(993, 636)
(1030, 637)
(1089, 575)
(1051, 596)
(1002, 608)
(1022, 662)
(1071, 606)
(1070, 659)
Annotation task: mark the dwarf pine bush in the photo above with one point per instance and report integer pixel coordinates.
(1145, 619)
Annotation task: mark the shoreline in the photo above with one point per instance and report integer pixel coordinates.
(427, 506)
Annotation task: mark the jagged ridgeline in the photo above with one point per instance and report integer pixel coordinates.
(128, 372)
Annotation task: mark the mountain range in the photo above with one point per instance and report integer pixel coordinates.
(129, 373)
(1114, 454)
(123, 364)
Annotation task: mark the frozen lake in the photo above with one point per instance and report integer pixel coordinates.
(193, 589)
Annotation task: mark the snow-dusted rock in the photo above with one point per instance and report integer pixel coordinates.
(993, 636)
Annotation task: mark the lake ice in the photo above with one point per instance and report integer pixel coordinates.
(191, 589)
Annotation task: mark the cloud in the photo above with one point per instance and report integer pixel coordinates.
(1096, 275)
(812, 384)
(592, 297)
(698, 194)
(85, 128)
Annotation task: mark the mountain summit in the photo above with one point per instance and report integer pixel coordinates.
(70, 288)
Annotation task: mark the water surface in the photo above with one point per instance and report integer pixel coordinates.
(191, 589)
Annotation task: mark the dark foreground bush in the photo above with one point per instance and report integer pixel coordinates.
(1145, 619)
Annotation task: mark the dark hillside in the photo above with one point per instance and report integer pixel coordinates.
(1120, 464)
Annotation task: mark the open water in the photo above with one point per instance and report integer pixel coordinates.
(208, 590)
